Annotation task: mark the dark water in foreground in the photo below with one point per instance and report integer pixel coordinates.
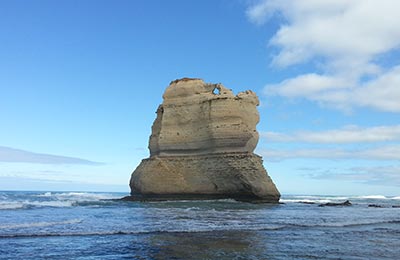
(77, 225)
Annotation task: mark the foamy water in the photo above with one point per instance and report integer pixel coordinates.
(51, 199)
(336, 199)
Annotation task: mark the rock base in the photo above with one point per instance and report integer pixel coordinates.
(239, 176)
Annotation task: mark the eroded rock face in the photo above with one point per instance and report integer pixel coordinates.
(202, 145)
(200, 118)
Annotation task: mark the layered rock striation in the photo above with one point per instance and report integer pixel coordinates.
(202, 146)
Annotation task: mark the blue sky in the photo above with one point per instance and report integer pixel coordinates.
(80, 82)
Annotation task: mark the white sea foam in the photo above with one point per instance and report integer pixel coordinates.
(50, 203)
(327, 199)
(53, 199)
(40, 224)
(85, 195)
(192, 208)
(194, 201)
(315, 197)
(305, 200)
(378, 197)
(77, 195)
(27, 204)
(338, 198)
(11, 205)
(46, 194)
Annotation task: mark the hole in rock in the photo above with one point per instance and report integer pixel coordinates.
(216, 91)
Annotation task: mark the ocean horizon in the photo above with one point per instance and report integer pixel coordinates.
(93, 225)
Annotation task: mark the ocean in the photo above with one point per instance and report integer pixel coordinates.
(87, 225)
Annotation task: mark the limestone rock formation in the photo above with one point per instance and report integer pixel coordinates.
(202, 145)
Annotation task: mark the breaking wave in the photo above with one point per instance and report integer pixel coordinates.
(326, 199)
(305, 201)
(55, 199)
(373, 197)
(11, 205)
(78, 195)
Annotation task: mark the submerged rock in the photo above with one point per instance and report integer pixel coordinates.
(333, 204)
(375, 206)
(202, 145)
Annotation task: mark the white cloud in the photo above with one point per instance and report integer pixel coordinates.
(376, 175)
(8, 154)
(331, 28)
(346, 37)
(381, 93)
(307, 84)
(387, 153)
(348, 134)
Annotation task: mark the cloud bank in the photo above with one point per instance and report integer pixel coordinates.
(352, 44)
(376, 175)
(386, 153)
(345, 135)
(8, 154)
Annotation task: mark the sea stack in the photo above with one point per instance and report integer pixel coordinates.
(202, 147)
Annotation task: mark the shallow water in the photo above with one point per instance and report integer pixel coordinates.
(79, 225)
